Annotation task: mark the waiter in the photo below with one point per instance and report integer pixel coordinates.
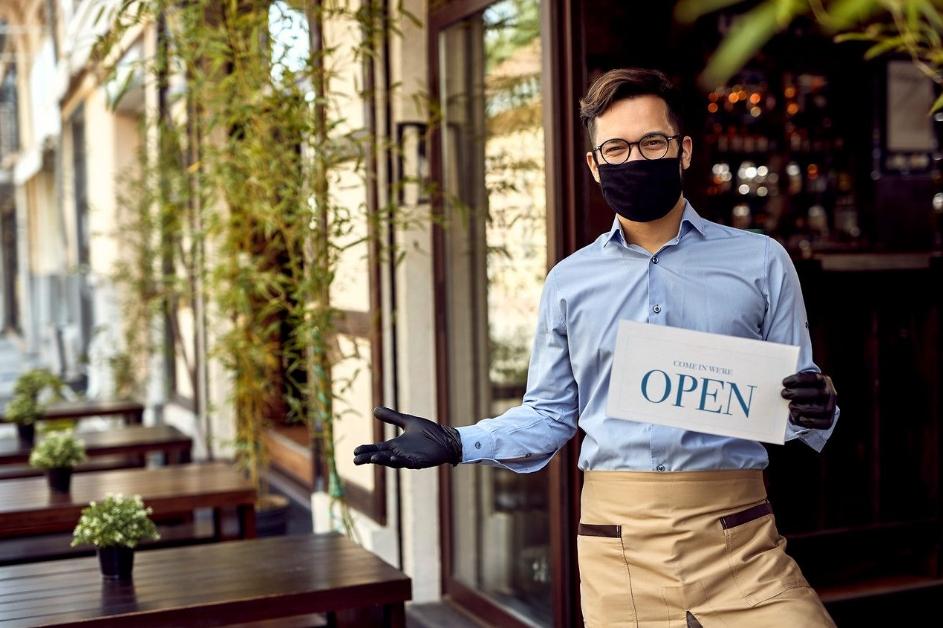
(675, 528)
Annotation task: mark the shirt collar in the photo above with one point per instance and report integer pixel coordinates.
(689, 217)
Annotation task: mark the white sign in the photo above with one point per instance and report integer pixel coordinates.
(701, 382)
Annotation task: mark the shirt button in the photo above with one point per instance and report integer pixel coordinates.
(655, 260)
(656, 309)
(660, 467)
(478, 445)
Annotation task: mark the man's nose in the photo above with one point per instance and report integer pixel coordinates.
(635, 153)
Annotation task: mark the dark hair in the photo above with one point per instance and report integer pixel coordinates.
(624, 83)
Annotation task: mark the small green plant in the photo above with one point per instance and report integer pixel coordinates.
(57, 450)
(26, 405)
(115, 521)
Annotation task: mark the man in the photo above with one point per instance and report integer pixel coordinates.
(675, 527)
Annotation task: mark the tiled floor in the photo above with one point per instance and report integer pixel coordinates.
(438, 615)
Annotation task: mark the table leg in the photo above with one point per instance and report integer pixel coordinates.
(177, 456)
(246, 520)
(218, 524)
(394, 615)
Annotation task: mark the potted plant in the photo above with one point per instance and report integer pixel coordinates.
(26, 404)
(58, 453)
(115, 526)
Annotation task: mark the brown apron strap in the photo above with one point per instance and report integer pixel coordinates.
(746, 516)
(592, 529)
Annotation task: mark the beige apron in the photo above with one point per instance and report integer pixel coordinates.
(687, 549)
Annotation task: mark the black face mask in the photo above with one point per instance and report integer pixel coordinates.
(642, 190)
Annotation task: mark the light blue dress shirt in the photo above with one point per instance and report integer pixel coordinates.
(709, 278)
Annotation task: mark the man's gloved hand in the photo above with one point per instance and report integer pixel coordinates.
(812, 400)
(422, 444)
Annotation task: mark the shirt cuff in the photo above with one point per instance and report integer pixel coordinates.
(477, 443)
(815, 439)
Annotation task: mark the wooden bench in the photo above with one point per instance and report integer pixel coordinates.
(106, 449)
(27, 507)
(175, 533)
(212, 585)
(132, 411)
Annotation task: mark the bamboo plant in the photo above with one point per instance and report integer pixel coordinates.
(239, 201)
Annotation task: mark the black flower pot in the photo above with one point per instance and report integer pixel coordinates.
(117, 562)
(271, 515)
(60, 479)
(27, 434)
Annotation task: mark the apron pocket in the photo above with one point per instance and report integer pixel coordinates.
(756, 554)
(605, 586)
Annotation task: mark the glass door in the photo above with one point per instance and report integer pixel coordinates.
(493, 259)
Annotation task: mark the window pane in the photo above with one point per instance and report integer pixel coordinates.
(493, 167)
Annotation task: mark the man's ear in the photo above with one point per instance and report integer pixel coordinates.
(592, 166)
(687, 145)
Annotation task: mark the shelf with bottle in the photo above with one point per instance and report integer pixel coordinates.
(748, 179)
(778, 163)
(738, 117)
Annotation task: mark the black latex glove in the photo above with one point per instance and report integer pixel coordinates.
(812, 400)
(422, 444)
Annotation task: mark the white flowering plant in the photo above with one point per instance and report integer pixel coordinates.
(116, 520)
(57, 450)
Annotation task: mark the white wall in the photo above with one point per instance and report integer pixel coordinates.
(43, 101)
(413, 314)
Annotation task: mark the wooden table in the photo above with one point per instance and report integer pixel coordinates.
(209, 585)
(27, 506)
(106, 449)
(132, 411)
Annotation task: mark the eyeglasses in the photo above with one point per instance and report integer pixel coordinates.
(652, 146)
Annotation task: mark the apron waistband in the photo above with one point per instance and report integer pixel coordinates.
(618, 497)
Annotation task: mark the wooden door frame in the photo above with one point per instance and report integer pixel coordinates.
(562, 78)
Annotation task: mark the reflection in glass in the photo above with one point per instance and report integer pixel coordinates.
(493, 175)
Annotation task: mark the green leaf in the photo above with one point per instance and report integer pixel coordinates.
(843, 37)
(882, 47)
(749, 33)
(125, 86)
(843, 13)
(937, 104)
(99, 14)
(912, 14)
(688, 11)
(936, 42)
(786, 10)
(932, 14)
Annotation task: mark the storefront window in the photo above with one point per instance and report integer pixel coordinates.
(494, 180)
